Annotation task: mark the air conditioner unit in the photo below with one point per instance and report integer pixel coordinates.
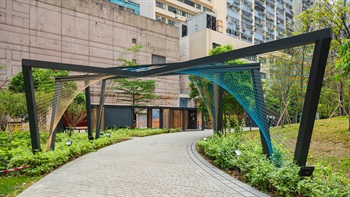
(238, 26)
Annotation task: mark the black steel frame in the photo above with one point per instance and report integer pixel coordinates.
(321, 38)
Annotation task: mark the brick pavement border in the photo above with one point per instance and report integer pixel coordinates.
(225, 181)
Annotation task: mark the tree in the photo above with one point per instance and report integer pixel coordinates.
(43, 80)
(231, 106)
(335, 15)
(76, 111)
(6, 80)
(344, 65)
(134, 91)
(44, 85)
(12, 106)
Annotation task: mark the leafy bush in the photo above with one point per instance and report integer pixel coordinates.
(15, 150)
(262, 173)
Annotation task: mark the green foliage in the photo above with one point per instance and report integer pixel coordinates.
(231, 106)
(325, 182)
(344, 61)
(14, 185)
(12, 105)
(76, 111)
(135, 49)
(335, 15)
(136, 91)
(223, 49)
(43, 80)
(260, 172)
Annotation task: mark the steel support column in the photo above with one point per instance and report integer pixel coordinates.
(161, 118)
(32, 115)
(52, 138)
(218, 104)
(100, 108)
(261, 112)
(88, 113)
(183, 119)
(311, 100)
(203, 121)
(149, 118)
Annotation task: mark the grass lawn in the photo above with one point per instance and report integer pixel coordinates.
(330, 143)
(12, 186)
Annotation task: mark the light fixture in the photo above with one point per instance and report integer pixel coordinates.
(205, 139)
(108, 134)
(69, 142)
(306, 170)
(238, 152)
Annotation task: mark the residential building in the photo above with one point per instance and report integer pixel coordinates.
(258, 21)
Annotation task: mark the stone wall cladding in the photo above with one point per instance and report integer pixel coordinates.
(85, 32)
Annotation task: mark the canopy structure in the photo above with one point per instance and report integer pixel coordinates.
(203, 67)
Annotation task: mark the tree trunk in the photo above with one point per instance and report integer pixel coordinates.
(341, 99)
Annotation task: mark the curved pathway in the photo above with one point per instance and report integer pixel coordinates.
(161, 165)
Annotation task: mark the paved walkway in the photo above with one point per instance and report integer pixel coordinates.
(162, 165)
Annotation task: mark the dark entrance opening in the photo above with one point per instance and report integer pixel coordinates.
(192, 119)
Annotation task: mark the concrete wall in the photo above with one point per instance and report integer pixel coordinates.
(147, 8)
(86, 32)
(201, 42)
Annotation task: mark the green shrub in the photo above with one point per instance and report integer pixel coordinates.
(324, 182)
(264, 174)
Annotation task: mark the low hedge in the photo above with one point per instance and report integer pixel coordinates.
(15, 149)
(262, 173)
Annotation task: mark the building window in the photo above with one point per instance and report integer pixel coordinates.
(160, 5)
(184, 30)
(211, 22)
(171, 22)
(133, 61)
(157, 59)
(179, 12)
(188, 2)
(206, 9)
(199, 7)
(160, 19)
(134, 40)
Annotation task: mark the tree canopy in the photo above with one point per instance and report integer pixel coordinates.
(134, 91)
(231, 106)
(43, 80)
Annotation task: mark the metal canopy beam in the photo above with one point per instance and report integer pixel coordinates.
(78, 68)
(285, 43)
(314, 86)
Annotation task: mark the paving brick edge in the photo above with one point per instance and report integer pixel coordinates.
(226, 182)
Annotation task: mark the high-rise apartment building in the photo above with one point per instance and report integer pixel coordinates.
(171, 11)
(258, 21)
(253, 21)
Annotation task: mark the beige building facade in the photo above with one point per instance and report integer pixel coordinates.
(85, 32)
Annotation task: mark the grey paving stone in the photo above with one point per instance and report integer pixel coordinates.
(162, 165)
